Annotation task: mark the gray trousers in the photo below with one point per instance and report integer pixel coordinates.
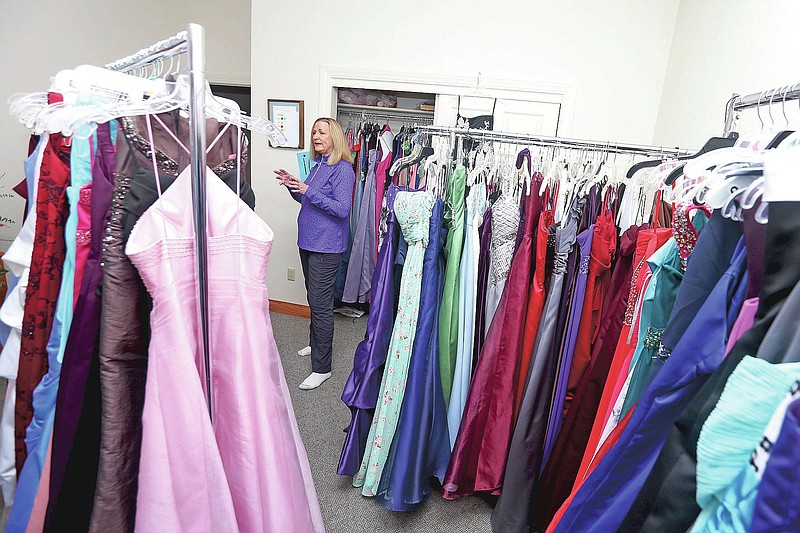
(320, 271)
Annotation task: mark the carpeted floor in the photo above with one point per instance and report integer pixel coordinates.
(321, 416)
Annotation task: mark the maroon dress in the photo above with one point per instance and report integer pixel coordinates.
(480, 451)
(41, 295)
(536, 298)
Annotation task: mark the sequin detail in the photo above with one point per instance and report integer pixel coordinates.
(85, 196)
(652, 340)
(505, 221)
(584, 267)
(83, 237)
(165, 162)
(633, 295)
(685, 234)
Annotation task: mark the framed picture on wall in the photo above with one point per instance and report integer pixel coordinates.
(287, 115)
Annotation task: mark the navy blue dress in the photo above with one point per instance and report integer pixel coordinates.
(421, 447)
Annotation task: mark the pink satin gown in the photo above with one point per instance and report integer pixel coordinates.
(248, 471)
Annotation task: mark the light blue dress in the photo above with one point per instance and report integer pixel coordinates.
(467, 290)
(727, 482)
(37, 438)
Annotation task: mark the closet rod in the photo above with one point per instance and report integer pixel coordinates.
(769, 97)
(544, 140)
(192, 41)
(393, 116)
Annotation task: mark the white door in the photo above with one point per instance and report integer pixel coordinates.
(510, 115)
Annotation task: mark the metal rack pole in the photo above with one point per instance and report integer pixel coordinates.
(197, 131)
(192, 41)
(738, 102)
(523, 138)
(165, 48)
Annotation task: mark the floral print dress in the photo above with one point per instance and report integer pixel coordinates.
(413, 212)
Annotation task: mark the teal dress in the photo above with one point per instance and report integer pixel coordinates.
(659, 298)
(413, 213)
(668, 266)
(448, 314)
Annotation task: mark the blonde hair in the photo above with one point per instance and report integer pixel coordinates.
(340, 148)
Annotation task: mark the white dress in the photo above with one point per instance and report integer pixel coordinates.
(18, 262)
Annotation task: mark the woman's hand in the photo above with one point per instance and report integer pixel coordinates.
(290, 182)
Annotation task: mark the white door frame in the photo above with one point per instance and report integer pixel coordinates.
(331, 77)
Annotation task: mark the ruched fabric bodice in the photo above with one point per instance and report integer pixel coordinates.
(413, 212)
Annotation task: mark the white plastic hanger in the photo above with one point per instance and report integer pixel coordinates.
(119, 94)
(416, 150)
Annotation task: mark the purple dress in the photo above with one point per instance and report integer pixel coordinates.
(361, 390)
(361, 263)
(556, 418)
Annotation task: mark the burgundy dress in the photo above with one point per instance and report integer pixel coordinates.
(536, 299)
(480, 451)
(44, 283)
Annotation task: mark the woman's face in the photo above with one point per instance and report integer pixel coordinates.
(321, 137)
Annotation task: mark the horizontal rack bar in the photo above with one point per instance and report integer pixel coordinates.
(543, 140)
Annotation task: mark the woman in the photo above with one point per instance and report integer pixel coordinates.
(323, 227)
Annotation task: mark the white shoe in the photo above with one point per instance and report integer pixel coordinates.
(314, 380)
(305, 352)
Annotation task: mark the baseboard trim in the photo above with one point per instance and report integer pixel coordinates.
(288, 308)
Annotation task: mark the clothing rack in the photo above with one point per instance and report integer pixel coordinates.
(543, 140)
(738, 102)
(192, 41)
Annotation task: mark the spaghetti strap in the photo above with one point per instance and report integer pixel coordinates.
(169, 131)
(185, 149)
(156, 174)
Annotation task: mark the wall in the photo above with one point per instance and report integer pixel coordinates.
(721, 47)
(613, 52)
(37, 39)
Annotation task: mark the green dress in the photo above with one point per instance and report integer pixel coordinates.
(448, 313)
(413, 213)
